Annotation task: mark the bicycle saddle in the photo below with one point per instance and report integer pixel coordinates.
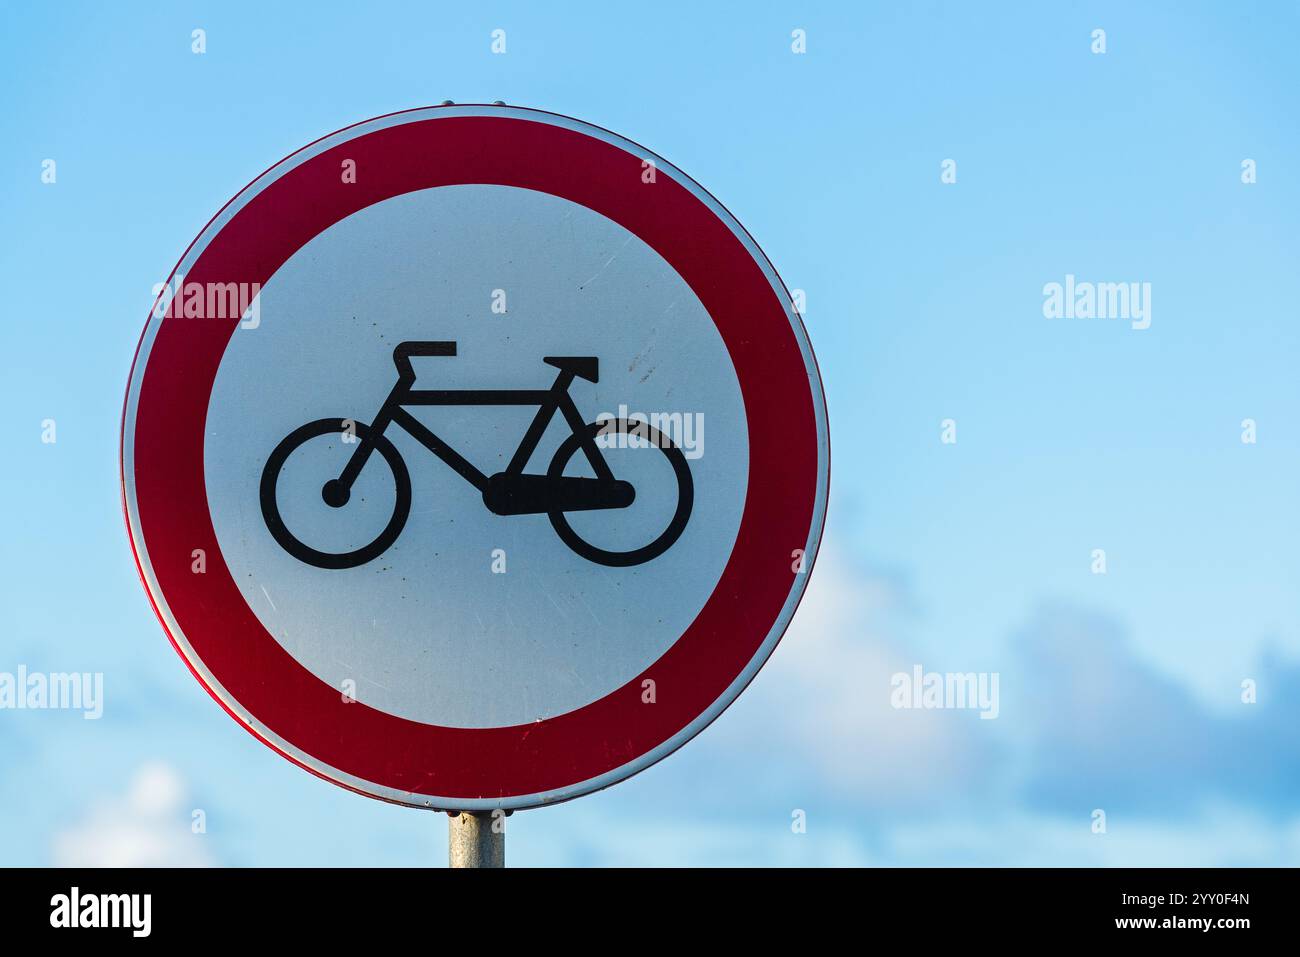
(584, 367)
(405, 350)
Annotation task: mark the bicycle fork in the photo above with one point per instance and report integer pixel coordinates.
(516, 492)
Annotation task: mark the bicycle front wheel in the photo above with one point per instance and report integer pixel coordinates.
(647, 436)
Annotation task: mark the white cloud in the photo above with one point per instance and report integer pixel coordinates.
(824, 699)
(1219, 836)
(148, 826)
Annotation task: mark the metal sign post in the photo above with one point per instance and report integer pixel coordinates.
(476, 839)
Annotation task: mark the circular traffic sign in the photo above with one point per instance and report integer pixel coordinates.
(474, 457)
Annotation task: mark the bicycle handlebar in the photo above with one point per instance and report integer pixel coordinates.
(405, 350)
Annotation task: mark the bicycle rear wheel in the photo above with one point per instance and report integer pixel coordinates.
(294, 545)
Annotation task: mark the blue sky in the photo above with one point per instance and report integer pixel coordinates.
(924, 302)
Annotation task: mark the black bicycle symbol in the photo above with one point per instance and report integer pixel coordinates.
(512, 492)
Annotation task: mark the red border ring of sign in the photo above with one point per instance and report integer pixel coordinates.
(403, 761)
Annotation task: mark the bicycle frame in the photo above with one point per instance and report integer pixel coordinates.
(512, 491)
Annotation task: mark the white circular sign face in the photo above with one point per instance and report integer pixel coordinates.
(474, 457)
(472, 619)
